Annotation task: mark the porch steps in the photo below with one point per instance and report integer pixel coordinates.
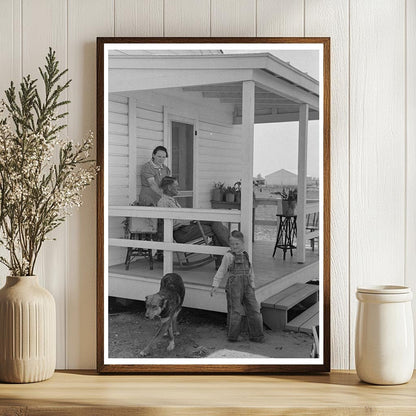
(280, 310)
(305, 321)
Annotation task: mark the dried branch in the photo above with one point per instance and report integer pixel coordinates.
(36, 193)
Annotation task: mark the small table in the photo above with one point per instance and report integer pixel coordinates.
(233, 205)
(286, 234)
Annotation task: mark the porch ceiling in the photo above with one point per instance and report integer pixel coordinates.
(269, 107)
(280, 88)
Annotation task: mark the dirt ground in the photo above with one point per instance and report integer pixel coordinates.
(202, 334)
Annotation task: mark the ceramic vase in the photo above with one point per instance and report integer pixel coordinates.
(384, 340)
(27, 331)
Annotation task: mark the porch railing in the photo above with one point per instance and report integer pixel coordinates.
(191, 214)
(168, 215)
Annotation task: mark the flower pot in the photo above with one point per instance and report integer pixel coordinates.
(384, 339)
(238, 197)
(229, 197)
(217, 194)
(288, 207)
(27, 331)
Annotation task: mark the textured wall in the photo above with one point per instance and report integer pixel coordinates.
(373, 131)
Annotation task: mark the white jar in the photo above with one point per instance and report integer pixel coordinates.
(384, 337)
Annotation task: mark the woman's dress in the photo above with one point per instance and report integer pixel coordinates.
(148, 196)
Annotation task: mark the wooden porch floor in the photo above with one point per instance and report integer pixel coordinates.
(267, 269)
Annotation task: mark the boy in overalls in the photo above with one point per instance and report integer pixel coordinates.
(240, 287)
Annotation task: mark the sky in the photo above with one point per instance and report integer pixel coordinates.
(276, 147)
(276, 144)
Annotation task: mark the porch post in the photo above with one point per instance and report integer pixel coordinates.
(302, 169)
(247, 157)
(167, 238)
(132, 151)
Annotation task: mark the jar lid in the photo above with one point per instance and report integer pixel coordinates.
(384, 289)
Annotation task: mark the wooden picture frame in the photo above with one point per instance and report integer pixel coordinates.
(223, 87)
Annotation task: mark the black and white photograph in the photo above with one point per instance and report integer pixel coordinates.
(213, 197)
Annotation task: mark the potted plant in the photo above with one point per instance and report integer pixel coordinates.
(217, 192)
(289, 200)
(41, 178)
(237, 191)
(229, 194)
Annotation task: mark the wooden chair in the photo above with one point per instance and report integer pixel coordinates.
(312, 224)
(140, 229)
(191, 260)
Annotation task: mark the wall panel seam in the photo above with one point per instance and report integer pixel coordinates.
(210, 17)
(67, 231)
(349, 186)
(304, 18)
(405, 144)
(21, 40)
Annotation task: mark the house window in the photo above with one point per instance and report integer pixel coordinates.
(183, 161)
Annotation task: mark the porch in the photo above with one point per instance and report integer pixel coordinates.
(218, 99)
(272, 276)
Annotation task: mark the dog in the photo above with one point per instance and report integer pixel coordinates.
(166, 305)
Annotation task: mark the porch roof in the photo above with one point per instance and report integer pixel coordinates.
(280, 87)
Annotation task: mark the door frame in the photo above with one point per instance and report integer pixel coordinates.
(170, 117)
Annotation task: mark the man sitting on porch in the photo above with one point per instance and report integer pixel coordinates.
(184, 230)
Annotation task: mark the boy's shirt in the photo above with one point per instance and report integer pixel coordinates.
(222, 271)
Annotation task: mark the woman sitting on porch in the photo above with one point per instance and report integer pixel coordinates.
(151, 174)
(184, 230)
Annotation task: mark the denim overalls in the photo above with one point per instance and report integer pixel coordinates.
(241, 300)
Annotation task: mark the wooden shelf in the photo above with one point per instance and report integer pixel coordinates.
(85, 393)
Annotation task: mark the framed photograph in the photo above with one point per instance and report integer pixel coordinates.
(213, 208)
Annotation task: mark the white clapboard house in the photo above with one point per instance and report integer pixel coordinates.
(202, 108)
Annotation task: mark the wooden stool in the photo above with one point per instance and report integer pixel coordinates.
(286, 234)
